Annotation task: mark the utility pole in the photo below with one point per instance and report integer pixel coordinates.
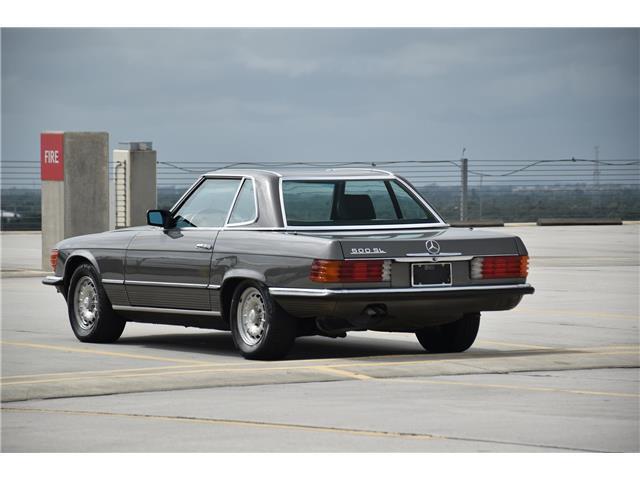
(480, 197)
(464, 184)
(596, 166)
(596, 178)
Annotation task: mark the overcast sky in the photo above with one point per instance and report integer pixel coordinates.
(327, 95)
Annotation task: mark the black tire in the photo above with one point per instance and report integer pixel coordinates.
(450, 337)
(274, 330)
(104, 326)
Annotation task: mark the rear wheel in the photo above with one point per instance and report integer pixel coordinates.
(90, 313)
(450, 337)
(261, 330)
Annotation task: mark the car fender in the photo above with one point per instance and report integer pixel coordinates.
(86, 254)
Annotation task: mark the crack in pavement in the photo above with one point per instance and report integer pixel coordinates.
(293, 426)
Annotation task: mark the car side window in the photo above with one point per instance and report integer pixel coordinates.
(244, 209)
(209, 205)
(300, 209)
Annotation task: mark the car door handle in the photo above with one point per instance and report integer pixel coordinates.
(204, 246)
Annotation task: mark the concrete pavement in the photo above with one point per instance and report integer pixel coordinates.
(558, 373)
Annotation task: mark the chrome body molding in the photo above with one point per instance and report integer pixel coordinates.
(417, 258)
(173, 311)
(165, 284)
(326, 292)
(108, 281)
(441, 254)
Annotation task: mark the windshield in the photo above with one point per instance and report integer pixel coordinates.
(351, 202)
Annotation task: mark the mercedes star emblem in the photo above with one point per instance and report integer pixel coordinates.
(433, 247)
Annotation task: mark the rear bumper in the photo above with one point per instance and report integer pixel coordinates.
(411, 292)
(405, 309)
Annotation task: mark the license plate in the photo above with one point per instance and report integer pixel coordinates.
(430, 274)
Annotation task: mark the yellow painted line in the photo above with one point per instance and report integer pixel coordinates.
(344, 373)
(233, 370)
(617, 352)
(283, 366)
(90, 372)
(229, 370)
(180, 372)
(100, 352)
(196, 363)
(629, 346)
(230, 422)
(518, 345)
(513, 387)
(288, 364)
(578, 313)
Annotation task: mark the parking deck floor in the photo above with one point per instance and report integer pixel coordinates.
(558, 373)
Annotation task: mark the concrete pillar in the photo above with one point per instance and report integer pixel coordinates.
(135, 183)
(75, 186)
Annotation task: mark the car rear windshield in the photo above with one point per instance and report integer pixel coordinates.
(351, 202)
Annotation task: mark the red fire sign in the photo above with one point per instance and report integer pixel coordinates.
(52, 156)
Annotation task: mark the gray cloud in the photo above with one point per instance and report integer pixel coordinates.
(327, 94)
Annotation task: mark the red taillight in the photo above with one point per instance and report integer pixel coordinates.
(53, 259)
(339, 271)
(512, 266)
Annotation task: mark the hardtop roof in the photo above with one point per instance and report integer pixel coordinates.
(303, 172)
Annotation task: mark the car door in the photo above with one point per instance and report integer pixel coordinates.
(169, 268)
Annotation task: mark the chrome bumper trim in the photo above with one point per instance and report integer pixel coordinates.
(52, 280)
(325, 292)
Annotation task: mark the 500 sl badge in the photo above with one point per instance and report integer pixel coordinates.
(366, 251)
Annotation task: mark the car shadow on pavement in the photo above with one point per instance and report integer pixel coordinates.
(221, 343)
(305, 348)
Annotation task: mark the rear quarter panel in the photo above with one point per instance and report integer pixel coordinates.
(275, 258)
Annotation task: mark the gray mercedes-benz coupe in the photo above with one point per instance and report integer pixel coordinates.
(276, 255)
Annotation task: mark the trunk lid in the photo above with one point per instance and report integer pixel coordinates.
(415, 243)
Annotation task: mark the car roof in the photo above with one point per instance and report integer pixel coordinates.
(304, 172)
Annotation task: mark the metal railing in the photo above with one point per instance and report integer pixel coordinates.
(510, 190)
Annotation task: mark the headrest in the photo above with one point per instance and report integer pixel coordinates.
(356, 207)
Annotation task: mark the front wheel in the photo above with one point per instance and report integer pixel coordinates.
(261, 330)
(450, 337)
(90, 313)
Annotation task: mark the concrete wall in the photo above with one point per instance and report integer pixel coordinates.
(141, 186)
(135, 186)
(52, 218)
(86, 178)
(120, 167)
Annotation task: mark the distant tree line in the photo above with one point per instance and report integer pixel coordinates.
(509, 204)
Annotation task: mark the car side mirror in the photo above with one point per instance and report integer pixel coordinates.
(160, 218)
